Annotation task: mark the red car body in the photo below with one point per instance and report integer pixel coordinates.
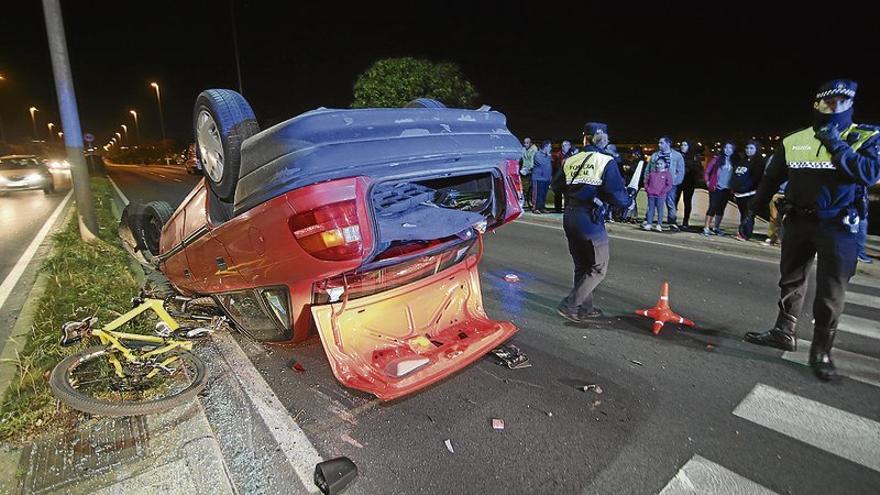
(393, 317)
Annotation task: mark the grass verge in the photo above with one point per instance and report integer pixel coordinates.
(84, 279)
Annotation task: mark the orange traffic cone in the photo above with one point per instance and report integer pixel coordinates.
(661, 313)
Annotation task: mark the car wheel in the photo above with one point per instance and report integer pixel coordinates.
(156, 214)
(222, 120)
(50, 189)
(425, 103)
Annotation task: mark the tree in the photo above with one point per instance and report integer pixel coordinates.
(394, 82)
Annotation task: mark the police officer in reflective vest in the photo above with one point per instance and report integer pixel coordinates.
(593, 181)
(826, 165)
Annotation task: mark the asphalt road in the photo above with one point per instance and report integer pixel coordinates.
(22, 215)
(685, 410)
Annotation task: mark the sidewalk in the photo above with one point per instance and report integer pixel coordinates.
(754, 248)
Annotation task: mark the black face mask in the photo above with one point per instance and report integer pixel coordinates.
(843, 120)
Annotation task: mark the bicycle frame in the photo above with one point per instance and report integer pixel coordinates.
(113, 339)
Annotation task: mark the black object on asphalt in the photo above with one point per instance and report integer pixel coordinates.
(333, 476)
(511, 356)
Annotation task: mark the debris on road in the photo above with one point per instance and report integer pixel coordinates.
(497, 424)
(511, 278)
(351, 441)
(295, 366)
(333, 476)
(592, 387)
(549, 414)
(710, 347)
(638, 363)
(448, 443)
(511, 356)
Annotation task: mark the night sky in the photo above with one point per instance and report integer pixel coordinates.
(730, 70)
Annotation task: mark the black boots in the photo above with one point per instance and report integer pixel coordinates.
(781, 336)
(820, 354)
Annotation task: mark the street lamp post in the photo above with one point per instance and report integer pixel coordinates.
(159, 103)
(119, 137)
(125, 128)
(73, 142)
(50, 125)
(137, 126)
(34, 110)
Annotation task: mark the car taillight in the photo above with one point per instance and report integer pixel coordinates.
(513, 174)
(330, 232)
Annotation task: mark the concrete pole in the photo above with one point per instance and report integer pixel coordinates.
(73, 142)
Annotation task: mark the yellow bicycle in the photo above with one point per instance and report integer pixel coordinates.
(129, 374)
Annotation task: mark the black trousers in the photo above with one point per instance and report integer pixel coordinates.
(686, 190)
(835, 248)
(747, 224)
(590, 261)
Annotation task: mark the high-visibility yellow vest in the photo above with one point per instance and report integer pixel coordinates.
(804, 151)
(590, 173)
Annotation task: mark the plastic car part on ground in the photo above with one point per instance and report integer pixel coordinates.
(334, 476)
(662, 313)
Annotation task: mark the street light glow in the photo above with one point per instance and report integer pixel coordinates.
(135, 114)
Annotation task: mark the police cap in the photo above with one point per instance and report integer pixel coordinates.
(837, 87)
(590, 128)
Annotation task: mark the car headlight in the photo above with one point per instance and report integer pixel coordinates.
(34, 177)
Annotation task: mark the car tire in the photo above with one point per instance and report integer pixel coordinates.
(50, 189)
(425, 103)
(155, 215)
(222, 120)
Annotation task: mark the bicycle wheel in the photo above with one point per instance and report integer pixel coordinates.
(87, 382)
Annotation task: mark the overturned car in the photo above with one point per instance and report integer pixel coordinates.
(363, 226)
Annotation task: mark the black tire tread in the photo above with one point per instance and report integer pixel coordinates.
(237, 122)
(159, 209)
(62, 390)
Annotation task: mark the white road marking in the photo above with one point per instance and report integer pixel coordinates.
(839, 432)
(862, 299)
(686, 248)
(866, 281)
(859, 326)
(124, 199)
(293, 442)
(700, 476)
(15, 274)
(856, 366)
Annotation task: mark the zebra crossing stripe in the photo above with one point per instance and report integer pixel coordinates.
(862, 299)
(702, 476)
(842, 433)
(866, 281)
(859, 326)
(856, 366)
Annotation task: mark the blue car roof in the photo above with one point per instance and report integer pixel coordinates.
(328, 144)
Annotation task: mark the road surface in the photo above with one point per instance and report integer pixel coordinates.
(681, 412)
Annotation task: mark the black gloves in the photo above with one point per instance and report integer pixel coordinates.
(829, 136)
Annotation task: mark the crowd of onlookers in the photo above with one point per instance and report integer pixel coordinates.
(667, 176)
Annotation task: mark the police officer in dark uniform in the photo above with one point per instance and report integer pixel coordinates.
(826, 165)
(592, 180)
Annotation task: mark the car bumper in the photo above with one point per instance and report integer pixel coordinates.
(25, 186)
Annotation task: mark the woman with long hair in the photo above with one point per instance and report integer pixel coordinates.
(718, 176)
